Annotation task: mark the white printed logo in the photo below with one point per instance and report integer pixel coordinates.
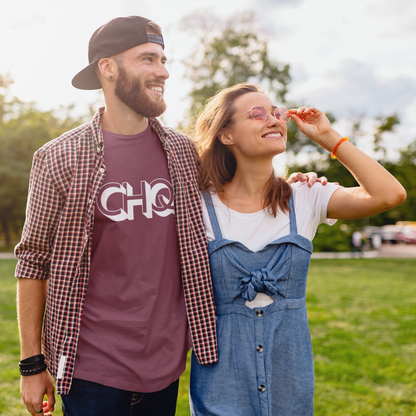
(156, 197)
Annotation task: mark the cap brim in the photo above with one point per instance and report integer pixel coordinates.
(87, 78)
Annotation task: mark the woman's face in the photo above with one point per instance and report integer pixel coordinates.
(255, 138)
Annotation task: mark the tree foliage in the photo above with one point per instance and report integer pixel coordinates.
(385, 124)
(23, 129)
(405, 171)
(229, 53)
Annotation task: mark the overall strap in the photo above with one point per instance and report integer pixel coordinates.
(292, 216)
(212, 215)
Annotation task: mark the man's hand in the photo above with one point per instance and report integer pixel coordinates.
(310, 178)
(33, 389)
(31, 300)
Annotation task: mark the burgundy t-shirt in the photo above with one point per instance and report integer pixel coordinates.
(134, 333)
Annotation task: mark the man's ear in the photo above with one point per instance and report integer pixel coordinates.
(225, 137)
(107, 68)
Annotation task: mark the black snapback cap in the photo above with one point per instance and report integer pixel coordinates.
(116, 36)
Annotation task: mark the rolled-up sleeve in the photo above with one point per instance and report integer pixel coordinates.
(44, 205)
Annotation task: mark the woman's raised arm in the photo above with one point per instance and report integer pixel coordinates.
(378, 191)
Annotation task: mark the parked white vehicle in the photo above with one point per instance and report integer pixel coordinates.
(390, 233)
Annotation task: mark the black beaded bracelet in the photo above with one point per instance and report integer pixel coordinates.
(32, 365)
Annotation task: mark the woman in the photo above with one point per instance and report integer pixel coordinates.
(259, 230)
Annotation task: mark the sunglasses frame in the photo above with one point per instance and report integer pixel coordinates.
(267, 113)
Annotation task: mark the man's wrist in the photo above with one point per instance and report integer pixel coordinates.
(33, 365)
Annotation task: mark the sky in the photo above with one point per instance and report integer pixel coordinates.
(353, 58)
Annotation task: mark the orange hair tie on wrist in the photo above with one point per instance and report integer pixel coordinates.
(334, 150)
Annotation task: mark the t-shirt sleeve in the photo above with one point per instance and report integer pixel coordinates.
(311, 206)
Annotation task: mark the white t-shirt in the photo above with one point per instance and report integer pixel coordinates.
(256, 230)
(356, 238)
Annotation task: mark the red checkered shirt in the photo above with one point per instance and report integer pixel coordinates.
(65, 179)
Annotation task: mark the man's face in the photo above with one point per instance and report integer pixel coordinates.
(141, 79)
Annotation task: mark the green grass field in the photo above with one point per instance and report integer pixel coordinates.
(362, 316)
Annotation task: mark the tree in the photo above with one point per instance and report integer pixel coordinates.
(229, 53)
(23, 129)
(385, 124)
(405, 172)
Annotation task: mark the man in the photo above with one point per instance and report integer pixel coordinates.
(101, 214)
(357, 242)
(113, 261)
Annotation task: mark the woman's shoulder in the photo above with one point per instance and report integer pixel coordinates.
(316, 188)
(307, 197)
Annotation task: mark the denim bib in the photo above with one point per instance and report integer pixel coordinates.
(265, 364)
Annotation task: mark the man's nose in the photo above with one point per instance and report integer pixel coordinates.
(161, 71)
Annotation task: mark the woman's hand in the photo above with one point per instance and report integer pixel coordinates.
(314, 124)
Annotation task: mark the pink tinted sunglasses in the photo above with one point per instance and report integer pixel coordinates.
(260, 113)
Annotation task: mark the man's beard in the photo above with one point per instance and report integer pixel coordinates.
(132, 93)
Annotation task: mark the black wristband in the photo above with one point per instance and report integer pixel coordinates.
(33, 371)
(32, 365)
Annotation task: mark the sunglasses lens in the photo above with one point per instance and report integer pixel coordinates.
(282, 114)
(258, 113)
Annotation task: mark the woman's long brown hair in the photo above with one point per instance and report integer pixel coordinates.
(217, 164)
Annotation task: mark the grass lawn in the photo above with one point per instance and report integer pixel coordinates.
(362, 315)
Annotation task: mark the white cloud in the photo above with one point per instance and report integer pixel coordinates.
(350, 57)
(355, 87)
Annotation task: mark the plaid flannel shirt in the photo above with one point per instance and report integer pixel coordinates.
(65, 179)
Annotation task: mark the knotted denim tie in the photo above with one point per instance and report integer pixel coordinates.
(260, 281)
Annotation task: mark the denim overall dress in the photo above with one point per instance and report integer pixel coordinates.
(265, 364)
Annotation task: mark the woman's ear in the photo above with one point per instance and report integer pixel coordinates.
(225, 137)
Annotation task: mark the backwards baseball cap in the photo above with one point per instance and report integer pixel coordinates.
(116, 36)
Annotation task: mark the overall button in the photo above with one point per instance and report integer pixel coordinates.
(262, 388)
(259, 313)
(259, 348)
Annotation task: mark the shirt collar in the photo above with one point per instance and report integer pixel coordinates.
(98, 135)
(158, 129)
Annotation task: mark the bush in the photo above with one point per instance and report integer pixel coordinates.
(334, 239)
